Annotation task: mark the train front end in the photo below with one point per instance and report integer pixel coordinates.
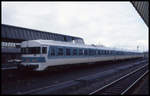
(33, 56)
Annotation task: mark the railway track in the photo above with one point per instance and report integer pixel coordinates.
(122, 85)
(67, 85)
(64, 87)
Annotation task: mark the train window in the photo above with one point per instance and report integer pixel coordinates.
(96, 52)
(92, 52)
(74, 51)
(68, 53)
(52, 51)
(117, 52)
(85, 52)
(113, 52)
(60, 52)
(80, 51)
(110, 52)
(105, 52)
(120, 52)
(44, 50)
(99, 52)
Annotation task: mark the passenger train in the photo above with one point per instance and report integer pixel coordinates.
(41, 54)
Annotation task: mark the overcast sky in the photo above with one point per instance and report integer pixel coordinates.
(113, 24)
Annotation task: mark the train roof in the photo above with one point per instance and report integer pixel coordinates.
(32, 43)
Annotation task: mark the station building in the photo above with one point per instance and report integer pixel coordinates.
(12, 36)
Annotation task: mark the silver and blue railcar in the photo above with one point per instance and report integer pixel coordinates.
(41, 54)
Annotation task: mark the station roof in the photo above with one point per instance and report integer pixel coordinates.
(19, 33)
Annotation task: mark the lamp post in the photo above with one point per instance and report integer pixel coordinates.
(138, 48)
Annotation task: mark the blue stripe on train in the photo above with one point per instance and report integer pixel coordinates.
(33, 59)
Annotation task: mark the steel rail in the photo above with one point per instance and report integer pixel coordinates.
(124, 92)
(121, 78)
(51, 86)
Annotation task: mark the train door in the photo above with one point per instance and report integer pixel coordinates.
(44, 51)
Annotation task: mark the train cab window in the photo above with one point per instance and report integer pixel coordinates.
(37, 50)
(44, 50)
(60, 52)
(23, 50)
(52, 51)
(30, 50)
(74, 52)
(68, 53)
